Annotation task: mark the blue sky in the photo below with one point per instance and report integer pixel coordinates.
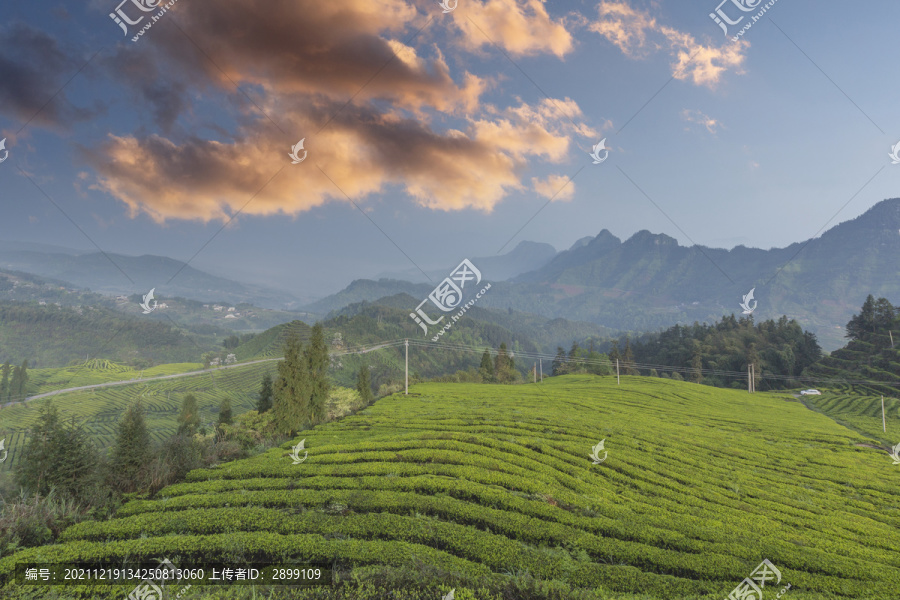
(450, 146)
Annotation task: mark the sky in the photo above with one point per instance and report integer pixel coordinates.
(433, 133)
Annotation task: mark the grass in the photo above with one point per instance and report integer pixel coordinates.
(489, 490)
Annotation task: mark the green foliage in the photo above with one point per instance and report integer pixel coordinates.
(363, 386)
(189, 416)
(316, 355)
(264, 401)
(292, 388)
(132, 452)
(486, 369)
(59, 456)
(35, 520)
(225, 413)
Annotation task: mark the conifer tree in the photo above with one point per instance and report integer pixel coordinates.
(225, 414)
(487, 367)
(503, 365)
(291, 389)
(628, 358)
(363, 386)
(614, 352)
(132, 451)
(697, 364)
(189, 416)
(560, 366)
(264, 400)
(317, 362)
(4, 382)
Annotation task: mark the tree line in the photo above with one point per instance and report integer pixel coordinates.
(13, 380)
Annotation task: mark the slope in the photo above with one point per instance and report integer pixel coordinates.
(470, 486)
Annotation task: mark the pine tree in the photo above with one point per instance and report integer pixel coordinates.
(4, 382)
(132, 452)
(502, 371)
(363, 386)
(697, 364)
(23, 379)
(15, 383)
(225, 416)
(487, 367)
(614, 352)
(189, 417)
(574, 366)
(291, 389)
(628, 358)
(862, 324)
(560, 366)
(264, 400)
(317, 362)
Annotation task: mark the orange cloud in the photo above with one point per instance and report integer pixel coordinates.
(521, 28)
(633, 32)
(555, 187)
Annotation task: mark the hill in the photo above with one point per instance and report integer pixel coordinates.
(94, 270)
(472, 488)
(649, 281)
(56, 336)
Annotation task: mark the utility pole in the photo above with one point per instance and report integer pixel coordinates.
(883, 424)
(406, 343)
(749, 389)
(892, 338)
(617, 371)
(541, 364)
(753, 378)
(534, 369)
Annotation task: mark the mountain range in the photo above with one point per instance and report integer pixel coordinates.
(649, 281)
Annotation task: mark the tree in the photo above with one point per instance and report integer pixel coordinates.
(225, 415)
(291, 388)
(363, 386)
(231, 342)
(317, 362)
(59, 456)
(573, 365)
(264, 400)
(860, 325)
(677, 376)
(131, 453)
(4, 381)
(504, 366)
(614, 352)
(697, 364)
(487, 367)
(189, 417)
(560, 366)
(629, 359)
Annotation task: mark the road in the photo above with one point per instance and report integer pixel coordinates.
(132, 381)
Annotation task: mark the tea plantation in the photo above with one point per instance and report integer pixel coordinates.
(489, 490)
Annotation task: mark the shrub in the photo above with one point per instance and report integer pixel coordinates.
(36, 520)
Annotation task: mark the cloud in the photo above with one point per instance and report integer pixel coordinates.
(522, 28)
(347, 76)
(700, 118)
(554, 187)
(362, 152)
(638, 35)
(34, 68)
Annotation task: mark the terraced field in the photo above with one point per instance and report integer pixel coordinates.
(861, 412)
(100, 409)
(474, 486)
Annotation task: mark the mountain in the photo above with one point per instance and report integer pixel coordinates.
(106, 273)
(649, 281)
(527, 256)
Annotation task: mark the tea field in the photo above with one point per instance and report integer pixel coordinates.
(489, 490)
(101, 408)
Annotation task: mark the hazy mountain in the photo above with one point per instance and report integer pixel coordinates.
(109, 273)
(649, 281)
(527, 256)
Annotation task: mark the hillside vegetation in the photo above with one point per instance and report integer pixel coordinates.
(475, 487)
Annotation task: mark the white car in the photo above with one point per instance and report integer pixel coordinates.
(811, 393)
